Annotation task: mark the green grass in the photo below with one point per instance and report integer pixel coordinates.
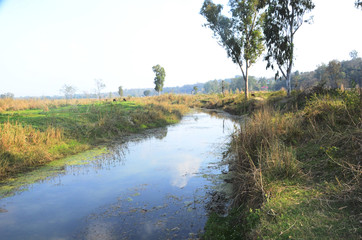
(297, 165)
(303, 211)
(90, 122)
(69, 117)
(223, 228)
(36, 136)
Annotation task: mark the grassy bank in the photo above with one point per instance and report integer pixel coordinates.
(236, 103)
(296, 168)
(39, 131)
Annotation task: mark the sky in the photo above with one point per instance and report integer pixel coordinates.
(45, 44)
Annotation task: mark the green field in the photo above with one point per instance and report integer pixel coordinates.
(32, 137)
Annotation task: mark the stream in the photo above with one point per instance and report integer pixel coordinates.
(156, 185)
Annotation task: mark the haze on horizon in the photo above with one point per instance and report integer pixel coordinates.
(46, 44)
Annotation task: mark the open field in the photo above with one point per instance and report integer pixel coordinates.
(39, 131)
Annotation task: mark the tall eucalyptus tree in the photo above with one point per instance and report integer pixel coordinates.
(240, 34)
(159, 78)
(283, 19)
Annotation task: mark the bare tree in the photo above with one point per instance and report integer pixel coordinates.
(99, 86)
(68, 91)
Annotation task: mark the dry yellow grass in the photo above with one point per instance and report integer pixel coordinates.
(9, 104)
(24, 146)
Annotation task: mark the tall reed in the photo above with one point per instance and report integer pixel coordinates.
(258, 153)
(23, 146)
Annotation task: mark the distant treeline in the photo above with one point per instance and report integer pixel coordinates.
(335, 74)
(332, 75)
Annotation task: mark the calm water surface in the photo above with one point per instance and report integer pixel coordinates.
(153, 188)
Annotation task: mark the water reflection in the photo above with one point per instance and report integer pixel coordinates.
(185, 170)
(147, 186)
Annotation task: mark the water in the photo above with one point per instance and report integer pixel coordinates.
(153, 187)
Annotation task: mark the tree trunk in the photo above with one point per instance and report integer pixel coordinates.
(289, 87)
(289, 77)
(246, 79)
(289, 70)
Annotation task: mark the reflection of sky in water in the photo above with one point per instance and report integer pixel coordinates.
(95, 201)
(185, 170)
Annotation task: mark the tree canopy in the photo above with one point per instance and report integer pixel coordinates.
(159, 78)
(195, 89)
(353, 54)
(358, 4)
(68, 91)
(7, 95)
(240, 35)
(147, 93)
(120, 91)
(283, 19)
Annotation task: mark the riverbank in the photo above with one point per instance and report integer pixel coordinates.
(36, 132)
(296, 168)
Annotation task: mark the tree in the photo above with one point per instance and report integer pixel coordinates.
(159, 78)
(99, 86)
(120, 91)
(236, 83)
(195, 89)
(240, 35)
(353, 71)
(223, 87)
(212, 87)
(334, 74)
(68, 91)
(353, 54)
(320, 73)
(283, 19)
(7, 95)
(358, 4)
(147, 93)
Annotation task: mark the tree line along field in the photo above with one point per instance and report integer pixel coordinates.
(336, 73)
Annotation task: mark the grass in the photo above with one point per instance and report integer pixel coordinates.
(237, 104)
(40, 131)
(296, 165)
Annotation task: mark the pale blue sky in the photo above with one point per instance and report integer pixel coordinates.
(45, 44)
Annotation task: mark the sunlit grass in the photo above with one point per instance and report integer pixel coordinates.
(23, 146)
(297, 166)
(40, 131)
